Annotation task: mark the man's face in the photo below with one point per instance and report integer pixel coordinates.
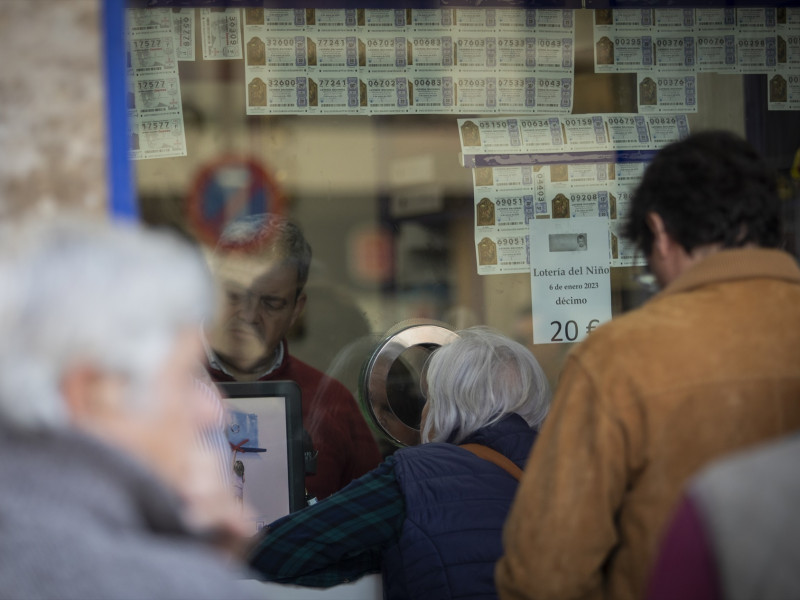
(260, 304)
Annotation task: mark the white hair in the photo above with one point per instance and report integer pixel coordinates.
(476, 380)
(85, 292)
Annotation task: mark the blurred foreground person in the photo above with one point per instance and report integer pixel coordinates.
(736, 533)
(707, 366)
(103, 492)
(430, 516)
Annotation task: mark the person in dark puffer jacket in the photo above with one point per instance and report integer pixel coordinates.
(431, 516)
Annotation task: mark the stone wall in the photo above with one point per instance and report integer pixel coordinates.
(52, 129)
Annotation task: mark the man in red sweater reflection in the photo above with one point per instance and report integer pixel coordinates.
(262, 264)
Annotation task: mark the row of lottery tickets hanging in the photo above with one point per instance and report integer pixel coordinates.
(667, 48)
(409, 61)
(157, 39)
(557, 167)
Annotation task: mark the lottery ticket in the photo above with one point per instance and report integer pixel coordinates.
(716, 52)
(503, 178)
(282, 19)
(516, 19)
(385, 52)
(384, 94)
(554, 94)
(488, 136)
(339, 20)
(756, 19)
(328, 52)
(480, 19)
(148, 20)
(475, 52)
(674, 52)
(287, 51)
(667, 92)
(432, 19)
(783, 90)
(334, 93)
(551, 52)
(624, 253)
(628, 173)
(432, 93)
(183, 28)
(665, 129)
(621, 19)
(555, 20)
(157, 95)
(387, 20)
(585, 132)
(475, 93)
(756, 52)
(627, 131)
(515, 52)
(543, 135)
(253, 21)
(158, 137)
(502, 211)
(714, 19)
(500, 253)
(516, 94)
(276, 93)
(221, 33)
(680, 20)
(788, 48)
(153, 53)
(429, 51)
(623, 52)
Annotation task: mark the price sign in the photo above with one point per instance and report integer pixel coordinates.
(570, 278)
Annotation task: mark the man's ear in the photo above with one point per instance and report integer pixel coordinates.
(661, 239)
(88, 393)
(299, 305)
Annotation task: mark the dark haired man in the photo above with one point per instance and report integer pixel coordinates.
(262, 265)
(707, 366)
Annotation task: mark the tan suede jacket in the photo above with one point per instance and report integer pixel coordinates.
(709, 365)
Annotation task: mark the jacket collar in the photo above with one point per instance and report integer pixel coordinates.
(735, 265)
(215, 364)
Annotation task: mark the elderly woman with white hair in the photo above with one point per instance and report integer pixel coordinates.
(103, 493)
(431, 516)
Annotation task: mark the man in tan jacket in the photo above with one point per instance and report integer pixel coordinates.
(711, 364)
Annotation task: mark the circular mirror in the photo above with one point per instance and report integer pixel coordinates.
(390, 384)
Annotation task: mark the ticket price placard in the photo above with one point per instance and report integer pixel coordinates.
(570, 278)
(221, 33)
(667, 92)
(503, 253)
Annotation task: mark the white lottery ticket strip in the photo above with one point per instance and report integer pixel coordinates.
(667, 48)
(183, 27)
(221, 33)
(557, 168)
(408, 61)
(154, 99)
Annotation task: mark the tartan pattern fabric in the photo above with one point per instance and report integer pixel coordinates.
(338, 539)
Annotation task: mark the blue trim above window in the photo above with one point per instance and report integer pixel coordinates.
(121, 198)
